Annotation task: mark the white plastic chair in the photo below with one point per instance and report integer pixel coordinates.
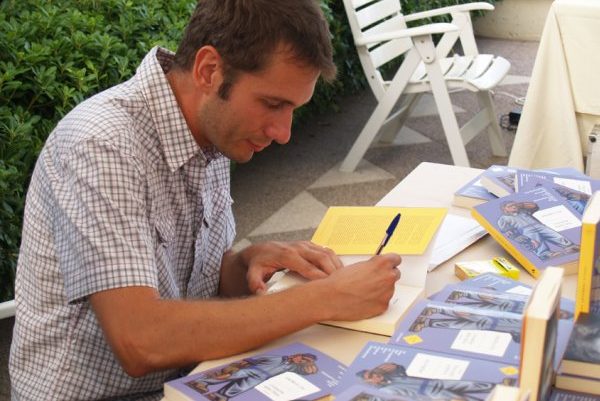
(381, 35)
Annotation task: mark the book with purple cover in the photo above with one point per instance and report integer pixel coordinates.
(461, 331)
(576, 198)
(481, 298)
(499, 180)
(569, 178)
(588, 278)
(366, 393)
(408, 372)
(517, 294)
(495, 282)
(294, 371)
(540, 335)
(536, 227)
(471, 194)
(582, 356)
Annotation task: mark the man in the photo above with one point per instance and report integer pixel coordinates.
(126, 256)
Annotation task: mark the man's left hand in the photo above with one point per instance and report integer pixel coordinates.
(310, 260)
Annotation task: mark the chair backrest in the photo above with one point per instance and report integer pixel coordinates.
(375, 17)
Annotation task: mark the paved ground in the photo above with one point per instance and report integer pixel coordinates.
(283, 192)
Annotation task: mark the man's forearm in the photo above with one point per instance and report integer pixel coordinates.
(149, 334)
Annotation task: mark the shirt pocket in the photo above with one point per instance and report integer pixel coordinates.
(164, 228)
(214, 238)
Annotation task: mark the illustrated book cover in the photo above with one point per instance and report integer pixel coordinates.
(472, 194)
(292, 372)
(461, 331)
(576, 198)
(540, 334)
(520, 291)
(414, 373)
(536, 228)
(496, 282)
(499, 180)
(569, 178)
(481, 298)
(582, 356)
(588, 278)
(365, 393)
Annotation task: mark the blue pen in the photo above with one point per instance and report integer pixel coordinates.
(388, 233)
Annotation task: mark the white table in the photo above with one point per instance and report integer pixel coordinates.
(563, 99)
(430, 185)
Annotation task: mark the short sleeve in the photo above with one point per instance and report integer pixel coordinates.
(104, 238)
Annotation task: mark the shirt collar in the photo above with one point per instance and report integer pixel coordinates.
(175, 136)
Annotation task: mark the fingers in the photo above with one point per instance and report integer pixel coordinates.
(322, 257)
(256, 283)
(312, 261)
(388, 261)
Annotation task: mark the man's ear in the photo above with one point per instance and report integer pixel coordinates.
(207, 72)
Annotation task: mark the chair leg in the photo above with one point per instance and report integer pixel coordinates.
(449, 123)
(493, 131)
(395, 123)
(366, 136)
(381, 112)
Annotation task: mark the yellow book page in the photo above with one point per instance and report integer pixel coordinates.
(358, 230)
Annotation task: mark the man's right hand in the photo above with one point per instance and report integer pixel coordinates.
(361, 290)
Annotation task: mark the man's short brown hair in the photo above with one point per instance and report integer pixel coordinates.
(247, 32)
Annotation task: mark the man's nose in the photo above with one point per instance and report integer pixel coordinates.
(280, 129)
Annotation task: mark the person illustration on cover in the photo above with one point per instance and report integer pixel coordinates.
(464, 320)
(518, 224)
(391, 378)
(508, 180)
(577, 200)
(486, 301)
(244, 375)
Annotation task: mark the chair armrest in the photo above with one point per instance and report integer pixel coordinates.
(448, 10)
(430, 29)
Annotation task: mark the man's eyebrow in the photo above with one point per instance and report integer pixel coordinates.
(280, 100)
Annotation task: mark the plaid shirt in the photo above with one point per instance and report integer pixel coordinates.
(121, 196)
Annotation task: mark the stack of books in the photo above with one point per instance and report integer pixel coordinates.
(458, 345)
(580, 368)
(465, 340)
(534, 214)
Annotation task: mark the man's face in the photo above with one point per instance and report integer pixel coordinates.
(259, 108)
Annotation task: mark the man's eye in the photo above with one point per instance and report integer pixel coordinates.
(274, 105)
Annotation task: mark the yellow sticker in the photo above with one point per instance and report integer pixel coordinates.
(412, 339)
(509, 370)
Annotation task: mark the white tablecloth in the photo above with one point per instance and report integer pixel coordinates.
(563, 99)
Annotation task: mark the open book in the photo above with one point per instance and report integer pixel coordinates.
(412, 238)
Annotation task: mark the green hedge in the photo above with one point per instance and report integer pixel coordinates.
(54, 54)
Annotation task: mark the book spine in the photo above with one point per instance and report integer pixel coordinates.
(502, 240)
(586, 266)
